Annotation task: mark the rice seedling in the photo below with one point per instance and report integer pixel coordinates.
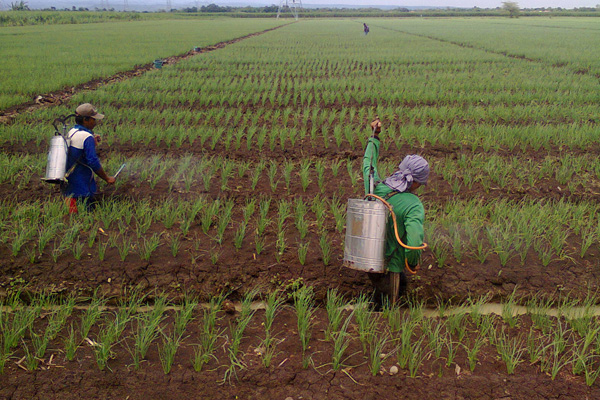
(553, 360)
(416, 357)
(175, 245)
(238, 328)
(407, 330)
(148, 246)
(240, 233)
(302, 252)
(147, 330)
(338, 209)
(71, 344)
(167, 351)
(341, 341)
(473, 349)
(583, 357)
(476, 307)
(510, 350)
(333, 305)
(209, 333)
(184, 316)
(92, 313)
(124, 246)
(304, 174)
(208, 215)
(304, 304)
(538, 309)
(508, 310)
(456, 324)
(288, 167)
(31, 361)
(326, 250)
(452, 348)
(365, 319)
(433, 331)
(273, 306)
(103, 347)
(377, 355)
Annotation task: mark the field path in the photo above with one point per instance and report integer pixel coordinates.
(63, 95)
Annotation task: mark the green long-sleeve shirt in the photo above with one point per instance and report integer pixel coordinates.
(409, 212)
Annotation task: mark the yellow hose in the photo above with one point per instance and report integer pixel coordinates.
(388, 205)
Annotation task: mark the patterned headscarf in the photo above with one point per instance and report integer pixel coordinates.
(412, 168)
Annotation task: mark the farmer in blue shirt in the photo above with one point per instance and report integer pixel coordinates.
(82, 160)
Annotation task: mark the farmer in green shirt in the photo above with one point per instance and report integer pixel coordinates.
(398, 190)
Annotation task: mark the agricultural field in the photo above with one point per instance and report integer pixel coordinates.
(239, 163)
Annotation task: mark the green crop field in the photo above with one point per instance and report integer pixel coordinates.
(43, 58)
(240, 162)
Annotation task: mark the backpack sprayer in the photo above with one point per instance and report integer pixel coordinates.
(364, 246)
(56, 167)
(366, 220)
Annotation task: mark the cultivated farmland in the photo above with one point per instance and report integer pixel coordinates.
(239, 165)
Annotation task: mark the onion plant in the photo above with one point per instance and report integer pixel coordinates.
(304, 304)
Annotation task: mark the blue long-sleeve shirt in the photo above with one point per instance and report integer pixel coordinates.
(82, 156)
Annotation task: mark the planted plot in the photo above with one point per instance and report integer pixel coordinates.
(284, 334)
(48, 58)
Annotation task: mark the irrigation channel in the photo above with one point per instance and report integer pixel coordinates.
(429, 312)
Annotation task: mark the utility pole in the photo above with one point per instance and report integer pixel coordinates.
(291, 5)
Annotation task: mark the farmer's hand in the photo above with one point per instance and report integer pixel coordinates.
(97, 139)
(110, 180)
(376, 126)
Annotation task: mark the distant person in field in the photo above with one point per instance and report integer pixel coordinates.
(399, 191)
(82, 160)
(365, 29)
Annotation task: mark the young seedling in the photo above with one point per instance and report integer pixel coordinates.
(209, 333)
(304, 305)
(334, 308)
(341, 341)
(273, 306)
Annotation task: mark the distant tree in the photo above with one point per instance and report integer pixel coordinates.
(512, 7)
(20, 6)
(270, 9)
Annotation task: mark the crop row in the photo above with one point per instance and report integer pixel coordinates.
(406, 338)
(220, 175)
(274, 230)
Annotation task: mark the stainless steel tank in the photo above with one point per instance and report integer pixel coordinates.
(364, 248)
(57, 160)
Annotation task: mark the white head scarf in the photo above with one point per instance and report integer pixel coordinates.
(413, 168)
